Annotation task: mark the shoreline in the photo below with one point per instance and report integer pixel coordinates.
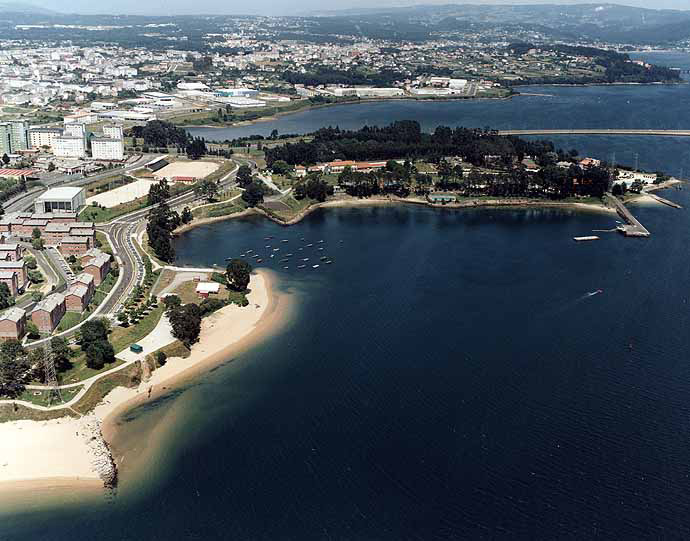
(32, 464)
(310, 107)
(516, 93)
(372, 201)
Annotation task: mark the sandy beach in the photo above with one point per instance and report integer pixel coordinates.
(59, 453)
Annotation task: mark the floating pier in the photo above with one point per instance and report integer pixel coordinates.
(587, 238)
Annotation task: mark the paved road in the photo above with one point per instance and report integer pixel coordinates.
(25, 201)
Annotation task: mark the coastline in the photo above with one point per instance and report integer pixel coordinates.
(372, 201)
(31, 462)
(516, 93)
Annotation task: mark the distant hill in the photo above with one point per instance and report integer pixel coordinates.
(28, 9)
(609, 22)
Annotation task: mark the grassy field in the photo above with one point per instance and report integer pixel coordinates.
(187, 293)
(100, 215)
(79, 371)
(220, 209)
(288, 207)
(11, 412)
(128, 377)
(47, 397)
(69, 320)
(106, 184)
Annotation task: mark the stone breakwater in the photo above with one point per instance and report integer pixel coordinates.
(102, 462)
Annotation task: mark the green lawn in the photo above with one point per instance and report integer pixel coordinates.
(128, 377)
(99, 215)
(79, 371)
(221, 209)
(47, 398)
(69, 320)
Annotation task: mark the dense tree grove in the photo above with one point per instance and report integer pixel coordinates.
(94, 339)
(405, 139)
(161, 222)
(253, 195)
(186, 323)
(237, 274)
(477, 148)
(14, 367)
(159, 133)
(196, 148)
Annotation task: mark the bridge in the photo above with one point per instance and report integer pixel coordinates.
(594, 131)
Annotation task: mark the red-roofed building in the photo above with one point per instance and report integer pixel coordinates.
(185, 180)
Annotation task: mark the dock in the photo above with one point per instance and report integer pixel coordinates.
(663, 201)
(633, 227)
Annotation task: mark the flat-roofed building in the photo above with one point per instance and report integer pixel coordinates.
(55, 232)
(63, 199)
(104, 148)
(13, 323)
(69, 146)
(43, 137)
(48, 312)
(98, 267)
(74, 245)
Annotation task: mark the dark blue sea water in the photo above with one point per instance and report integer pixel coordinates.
(449, 376)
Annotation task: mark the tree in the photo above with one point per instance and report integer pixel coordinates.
(196, 148)
(207, 189)
(158, 192)
(281, 167)
(237, 274)
(300, 191)
(253, 194)
(244, 176)
(171, 302)
(186, 215)
(186, 323)
(36, 233)
(37, 243)
(51, 167)
(5, 159)
(32, 330)
(6, 299)
(159, 227)
(98, 354)
(35, 276)
(13, 368)
(161, 357)
(61, 353)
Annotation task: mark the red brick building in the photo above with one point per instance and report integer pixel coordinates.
(10, 278)
(48, 312)
(74, 245)
(77, 298)
(13, 323)
(98, 267)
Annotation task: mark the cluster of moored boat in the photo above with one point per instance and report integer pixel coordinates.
(275, 253)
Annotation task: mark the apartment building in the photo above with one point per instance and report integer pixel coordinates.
(13, 323)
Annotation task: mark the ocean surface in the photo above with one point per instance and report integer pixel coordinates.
(540, 107)
(453, 374)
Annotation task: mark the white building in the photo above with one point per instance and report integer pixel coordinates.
(62, 199)
(114, 131)
(68, 146)
(105, 148)
(75, 130)
(43, 137)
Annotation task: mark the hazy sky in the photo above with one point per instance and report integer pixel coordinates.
(282, 7)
